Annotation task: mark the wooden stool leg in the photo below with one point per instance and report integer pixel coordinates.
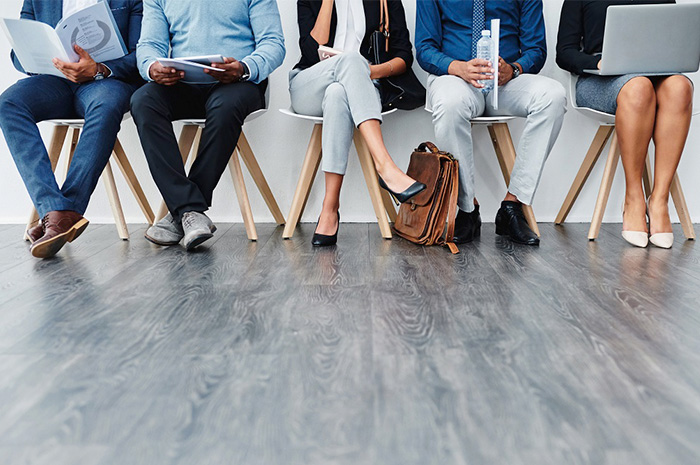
(234, 165)
(306, 179)
(389, 206)
(187, 136)
(682, 208)
(254, 168)
(505, 152)
(605, 186)
(55, 147)
(114, 202)
(647, 178)
(601, 138)
(375, 194)
(133, 182)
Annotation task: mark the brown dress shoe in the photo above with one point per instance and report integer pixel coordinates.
(59, 229)
(35, 233)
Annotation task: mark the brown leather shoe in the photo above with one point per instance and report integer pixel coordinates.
(59, 228)
(35, 233)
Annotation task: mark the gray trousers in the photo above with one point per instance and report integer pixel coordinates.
(539, 99)
(340, 90)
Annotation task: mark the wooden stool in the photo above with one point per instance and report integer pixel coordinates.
(381, 200)
(58, 138)
(606, 131)
(505, 153)
(189, 144)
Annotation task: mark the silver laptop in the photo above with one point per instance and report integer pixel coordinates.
(651, 39)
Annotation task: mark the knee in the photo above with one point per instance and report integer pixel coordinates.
(223, 109)
(550, 98)
(107, 110)
(144, 101)
(335, 96)
(637, 95)
(676, 91)
(9, 104)
(463, 108)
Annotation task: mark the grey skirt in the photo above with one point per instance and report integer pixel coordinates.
(600, 92)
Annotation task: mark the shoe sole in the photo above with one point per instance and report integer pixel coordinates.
(197, 241)
(51, 247)
(160, 243)
(500, 232)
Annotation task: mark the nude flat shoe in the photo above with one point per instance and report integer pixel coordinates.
(636, 238)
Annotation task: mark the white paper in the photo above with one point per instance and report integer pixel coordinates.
(496, 37)
(35, 55)
(93, 29)
(194, 72)
(36, 44)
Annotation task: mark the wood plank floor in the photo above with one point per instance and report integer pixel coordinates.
(374, 352)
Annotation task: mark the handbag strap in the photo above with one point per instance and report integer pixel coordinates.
(384, 20)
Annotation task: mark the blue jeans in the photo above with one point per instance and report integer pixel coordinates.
(39, 98)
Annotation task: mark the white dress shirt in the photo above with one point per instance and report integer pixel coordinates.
(71, 6)
(351, 25)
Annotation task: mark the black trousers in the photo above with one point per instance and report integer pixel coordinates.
(225, 107)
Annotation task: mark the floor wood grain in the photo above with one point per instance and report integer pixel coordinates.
(372, 352)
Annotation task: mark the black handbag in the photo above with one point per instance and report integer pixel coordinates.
(403, 91)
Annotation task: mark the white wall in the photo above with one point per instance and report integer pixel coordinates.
(280, 144)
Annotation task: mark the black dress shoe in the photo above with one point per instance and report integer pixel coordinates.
(467, 226)
(511, 222)
(320, 240)
(415, 189)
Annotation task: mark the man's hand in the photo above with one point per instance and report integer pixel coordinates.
(232, 71)
(165, 75)
(472, 71)
(505, 72)
(82, 71)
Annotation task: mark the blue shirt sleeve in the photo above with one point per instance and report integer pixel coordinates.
(269, 40)
(533, 38)
(155, 37)
(429, 38)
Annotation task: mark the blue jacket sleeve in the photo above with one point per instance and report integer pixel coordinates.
(27, 13)
(429, 38)
(269, 40)
(533, 38)
(155, 37)
(125, 68)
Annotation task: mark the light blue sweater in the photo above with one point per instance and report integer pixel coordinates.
(247, 30)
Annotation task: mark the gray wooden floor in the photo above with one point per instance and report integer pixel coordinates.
(371, 353)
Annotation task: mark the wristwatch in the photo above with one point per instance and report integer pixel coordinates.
(101, 73)
(246, 72)
(516, 70)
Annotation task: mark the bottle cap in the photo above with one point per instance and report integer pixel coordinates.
(486, 33)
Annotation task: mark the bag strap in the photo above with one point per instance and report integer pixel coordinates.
(452, 210)
(384, 21)
(428, 147)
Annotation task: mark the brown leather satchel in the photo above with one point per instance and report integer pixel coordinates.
(429, 217)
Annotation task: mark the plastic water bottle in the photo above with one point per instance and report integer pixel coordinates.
(484, 51)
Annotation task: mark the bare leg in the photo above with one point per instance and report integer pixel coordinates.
(328, 221)
(674, 97)
(396, 179)
(634, 122)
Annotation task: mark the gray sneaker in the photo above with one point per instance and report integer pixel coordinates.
(166, 232)
(198, 229)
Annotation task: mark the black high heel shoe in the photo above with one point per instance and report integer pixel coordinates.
(320, 240)
(406, 195)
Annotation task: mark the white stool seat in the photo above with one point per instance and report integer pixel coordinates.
(483, 119)
(78, 123)
(319, 119)
(202, 122)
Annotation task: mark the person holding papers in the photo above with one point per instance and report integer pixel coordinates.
(97, 92)
(341, 89)
(446, 35)
(645, 108)
(249, 34)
